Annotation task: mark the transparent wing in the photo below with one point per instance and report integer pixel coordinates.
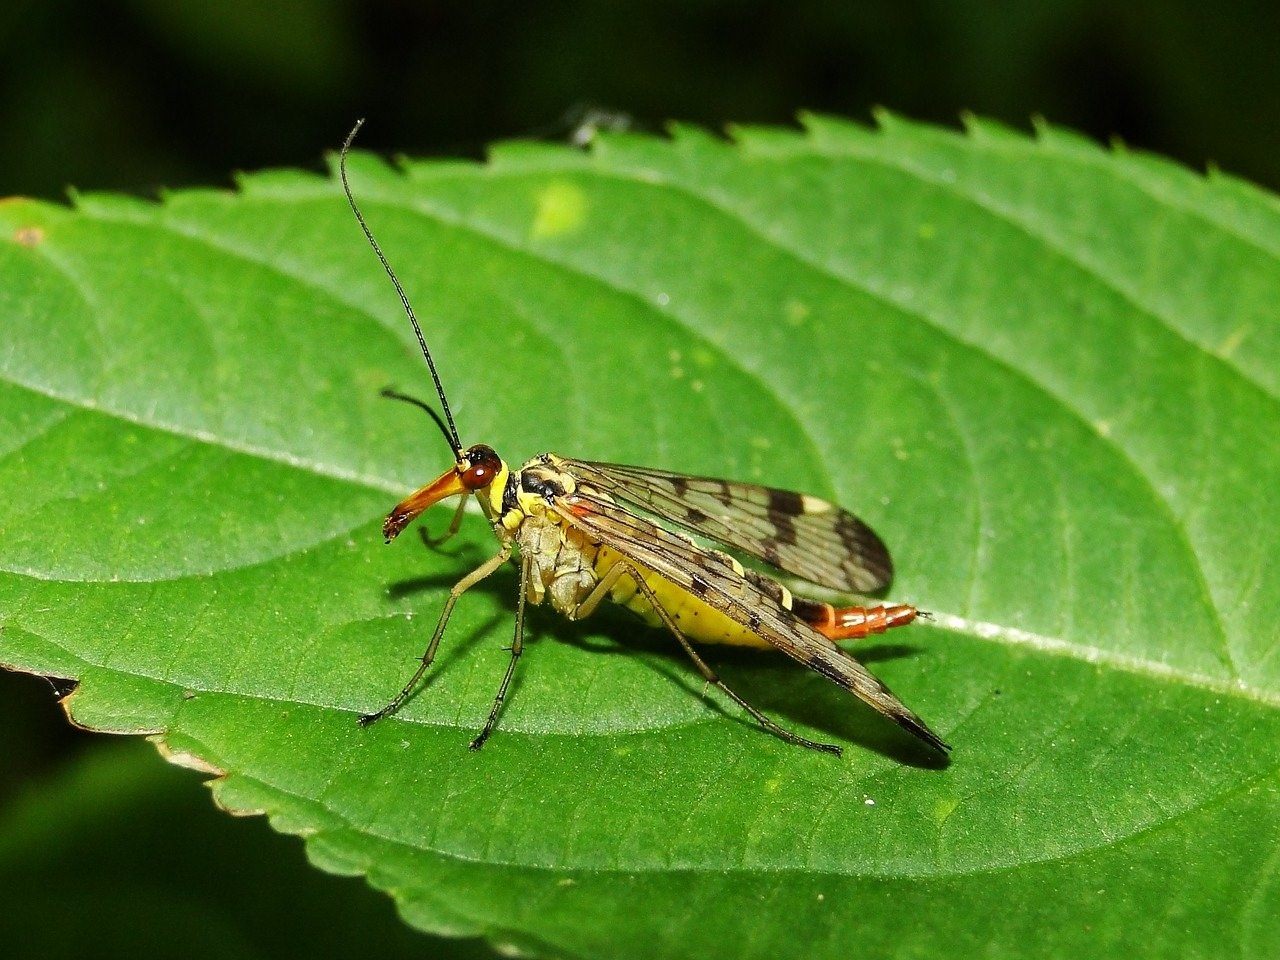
(752, 601)
(797, 533)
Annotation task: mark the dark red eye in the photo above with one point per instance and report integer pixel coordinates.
(482, 466)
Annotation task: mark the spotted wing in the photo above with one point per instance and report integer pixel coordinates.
(751, 600)
(796, 533)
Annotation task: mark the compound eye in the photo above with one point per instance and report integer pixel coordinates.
(483, 466)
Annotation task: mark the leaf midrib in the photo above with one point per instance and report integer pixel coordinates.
(1053, 646)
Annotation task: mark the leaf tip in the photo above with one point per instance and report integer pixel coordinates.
(683, 133)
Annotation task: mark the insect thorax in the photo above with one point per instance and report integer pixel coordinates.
(562, 560)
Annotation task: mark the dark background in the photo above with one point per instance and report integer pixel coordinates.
(138, 94)
(135, 94)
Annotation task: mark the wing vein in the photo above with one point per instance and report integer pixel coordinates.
(795, 533)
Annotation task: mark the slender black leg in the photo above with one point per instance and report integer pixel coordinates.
(517, 647)
(711, 677)
(466, 583)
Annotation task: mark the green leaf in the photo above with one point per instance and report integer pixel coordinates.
(1045, 373)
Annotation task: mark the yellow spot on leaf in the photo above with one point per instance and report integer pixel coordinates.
(561, 209)
(28, 236)
(797, 312)
(1232, 343)
(944, 808)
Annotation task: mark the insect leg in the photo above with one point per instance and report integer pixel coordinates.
(466, 583)
(598, 593)
(711, 677)
(517, 647)
(455, 525)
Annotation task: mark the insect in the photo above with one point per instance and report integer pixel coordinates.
(579, 541)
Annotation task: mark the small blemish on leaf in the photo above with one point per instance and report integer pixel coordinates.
(797, 312)
(944, 808)
(28, 236)
(561, 209)
(184, 758)
(1232, 343)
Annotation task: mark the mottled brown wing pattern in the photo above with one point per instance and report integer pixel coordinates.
(796, 533)
(713, 578)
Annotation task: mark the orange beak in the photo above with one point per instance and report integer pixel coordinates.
(448, 484)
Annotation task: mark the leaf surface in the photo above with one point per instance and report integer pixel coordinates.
(1048, 375)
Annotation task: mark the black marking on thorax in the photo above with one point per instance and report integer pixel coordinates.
(543, 487)
(509, 501)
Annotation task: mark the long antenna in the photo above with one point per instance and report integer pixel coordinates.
(452, 435)
(393, 394)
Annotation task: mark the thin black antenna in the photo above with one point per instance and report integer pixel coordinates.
(452, 433)
(393, 394)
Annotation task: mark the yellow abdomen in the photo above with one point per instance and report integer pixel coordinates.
(697, 619)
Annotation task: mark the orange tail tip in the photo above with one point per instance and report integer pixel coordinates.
(850, 623)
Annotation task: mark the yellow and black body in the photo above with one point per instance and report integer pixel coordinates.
(588, 531)
(578, 546)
